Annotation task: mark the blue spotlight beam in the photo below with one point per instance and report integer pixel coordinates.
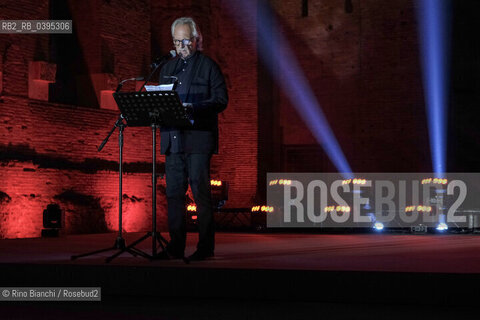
(282, 64)
(433, 35)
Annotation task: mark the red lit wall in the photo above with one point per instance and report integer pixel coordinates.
(48, 149)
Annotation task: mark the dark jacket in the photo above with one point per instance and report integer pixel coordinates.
(207, 92)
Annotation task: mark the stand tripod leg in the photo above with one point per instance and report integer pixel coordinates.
(156, 236)
(131, 248)
(119, 245)
(162, 242)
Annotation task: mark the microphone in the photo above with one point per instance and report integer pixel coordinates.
(120, 85)
(160, 60)
(156, 64)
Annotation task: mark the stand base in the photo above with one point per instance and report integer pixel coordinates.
(118, 245)
(156, 238)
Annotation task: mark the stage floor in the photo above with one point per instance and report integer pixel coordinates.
(346, 269)
(355, 252)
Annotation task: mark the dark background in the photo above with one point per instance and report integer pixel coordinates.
(361, 58)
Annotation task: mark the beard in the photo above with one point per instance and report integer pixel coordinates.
(186, 52)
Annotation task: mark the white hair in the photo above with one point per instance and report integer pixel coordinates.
(193, 26)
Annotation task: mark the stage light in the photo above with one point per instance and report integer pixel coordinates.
(263, 208)
(355, 181)
(52, 220)
(280, 60)
(418, 208)
(267, 209)
(285, 182)
(192, 214)
(434, 35)
(216, 183)
(434, 181)
(219, 192)
(442, 226)
(378, 226)
(337, 209)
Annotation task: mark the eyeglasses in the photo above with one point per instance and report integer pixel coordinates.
(185, 42)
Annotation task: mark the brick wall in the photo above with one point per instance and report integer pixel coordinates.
(17, 50)
(48, 154)
(48, 149)
(364, 69)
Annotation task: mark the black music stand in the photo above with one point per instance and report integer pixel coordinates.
(153, 109)
(120, 243)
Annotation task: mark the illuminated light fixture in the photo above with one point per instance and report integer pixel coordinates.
(192, 208)
(419, 208)
(378, 226)
(337, 209)
(434, 37)
(286, 71)
(219, 193)
(424, 208)
(284, 182)
(354, 181)
(265, 209)
(435, 181)
(52, 220)
(442, 226)
(216, 183)
(194, 217)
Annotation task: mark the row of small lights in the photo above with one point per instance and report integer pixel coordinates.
(193, 208)
(418, 208)
(281, 182)
(216, 183)
(434, 181)
(355, 181)
(262, 209)
(348, 209)
(337, 209)
(377, 226)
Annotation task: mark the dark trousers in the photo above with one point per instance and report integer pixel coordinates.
(182, 169)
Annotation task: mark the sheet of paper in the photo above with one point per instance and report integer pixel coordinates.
(162, 87)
